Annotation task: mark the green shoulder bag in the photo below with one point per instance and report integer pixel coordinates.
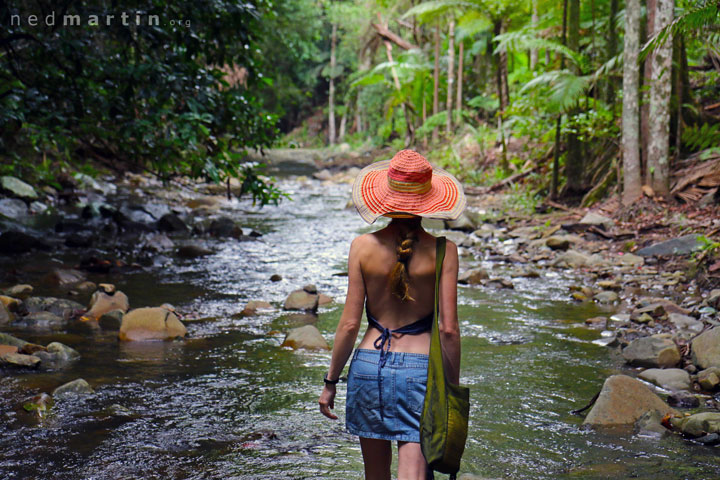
(445, 414)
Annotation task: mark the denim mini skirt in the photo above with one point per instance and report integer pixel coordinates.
(386, 405)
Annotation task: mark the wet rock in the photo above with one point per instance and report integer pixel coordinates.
(203, 202)
(7, 349)
(677, 246)
(193, 251)
(711, 438)
(38, 207)
(558, 243)
(668, 378)
(713, 300)
(685, 322)
(323, 174)
(80, 240)
(597, 322)
(17, 188)
(224, 227)
(43, 321)
(650, 425)
(6, 339)
(592, 218)
(606, 297)
(324, 299)
(39, 404)
(13, 242)
(156, 242)
(19, 360)
(171, 223)
(622, 401)
(629, 259)
(102, 303)
(609, 285)
(307, 337)
(473, 276)
(19, 291)
(683, 399)
(653, 311)
(698, 425)
(253, 306)
(301, 300)
(652, 352)
(77, 387)
(670, 307)
(571, 258)
(155, 323)
(65, 277)
(57, 306)
(275, 277)
(501, 282)
(706, 349)
(310, 288)
(57, 355)
(111, 320)
(465, 223)
(709, 378)
(13, 208)
(6, 317)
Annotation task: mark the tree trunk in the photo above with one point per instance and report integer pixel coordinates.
(461, 54)
(500, 61)
(632, 178)
(409, 131)
(558, 122)
(612, 38)
(343, 125)
(424, 118)
(647, 80)
(574, 161)
(534, 22)
(436, 81)
(659, 115)
(450, 81)
(331, 106)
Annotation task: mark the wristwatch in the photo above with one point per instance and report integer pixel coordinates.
(330, 382)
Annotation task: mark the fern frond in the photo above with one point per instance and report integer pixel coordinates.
(433, 9)
(694, 20)
(523, 40)
(565, 88)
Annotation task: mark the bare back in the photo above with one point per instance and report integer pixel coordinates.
(377, 259)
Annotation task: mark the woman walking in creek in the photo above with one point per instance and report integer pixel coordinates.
(391, 275)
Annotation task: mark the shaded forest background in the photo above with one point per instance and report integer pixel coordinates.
(573, 97)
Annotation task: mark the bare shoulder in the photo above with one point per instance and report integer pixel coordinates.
(361, 243)
(451, 252)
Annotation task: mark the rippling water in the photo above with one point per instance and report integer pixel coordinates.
(229, 402)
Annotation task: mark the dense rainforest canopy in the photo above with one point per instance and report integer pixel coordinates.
(577, 94)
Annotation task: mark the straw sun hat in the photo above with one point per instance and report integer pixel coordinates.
(407, 184)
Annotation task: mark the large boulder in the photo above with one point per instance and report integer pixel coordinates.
(57, 306)
(42, 321)
(21, 291)
(623, 400)
(65, 277)
(306, 337)
(668, 378)
(154, 323)
(17, 188)
(652, 352)
(71, 389)
(677, 246)
(57, 355)
(706, 349)
(171, 223)
(302, 300)
(6, 339)
(19, 360)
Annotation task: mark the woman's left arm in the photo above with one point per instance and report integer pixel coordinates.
(347, 329)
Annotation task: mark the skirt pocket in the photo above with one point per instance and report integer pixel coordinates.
(363, 403)
(415, 395)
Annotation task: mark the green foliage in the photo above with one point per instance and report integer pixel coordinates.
(701, 137)
(147, 96)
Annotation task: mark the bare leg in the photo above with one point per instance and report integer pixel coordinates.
(411, 462)
(377, 456)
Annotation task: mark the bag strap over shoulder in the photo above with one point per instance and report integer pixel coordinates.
(439, 257)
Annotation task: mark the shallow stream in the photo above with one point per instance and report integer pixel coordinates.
(229, 402)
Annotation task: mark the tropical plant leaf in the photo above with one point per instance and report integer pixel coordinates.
(524, 40)
(428, 11)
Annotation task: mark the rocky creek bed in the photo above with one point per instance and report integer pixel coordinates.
(242, 304)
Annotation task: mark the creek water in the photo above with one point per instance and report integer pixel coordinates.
(229, 402)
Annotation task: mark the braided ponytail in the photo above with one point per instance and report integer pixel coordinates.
(399, 285)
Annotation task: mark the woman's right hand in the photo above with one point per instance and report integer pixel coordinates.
(327, 401)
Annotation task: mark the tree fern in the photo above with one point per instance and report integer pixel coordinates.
(524, 40)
